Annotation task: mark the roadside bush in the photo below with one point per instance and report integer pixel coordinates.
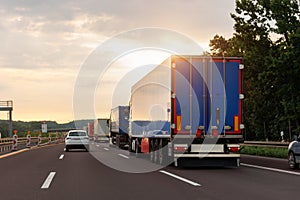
(275, 152)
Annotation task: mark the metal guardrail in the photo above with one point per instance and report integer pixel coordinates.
(7, 143)
(266, 144)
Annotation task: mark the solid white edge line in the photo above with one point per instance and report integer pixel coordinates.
(48, 180)
(180, 178)
(271, 169)
(61, 156)
(123, 156)
(106, 149)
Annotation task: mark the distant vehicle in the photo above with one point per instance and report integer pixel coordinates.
(294, 154)
(90, 129)
(118, 126)
(103, 139)
(77, 139)
(101, 130)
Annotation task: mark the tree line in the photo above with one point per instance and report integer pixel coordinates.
(267, 36)
(34, 127)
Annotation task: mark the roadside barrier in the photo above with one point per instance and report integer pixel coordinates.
(28, 139)
(15, 142)
(266, 144)
(39, 139)
(49, 139)
(56, 138)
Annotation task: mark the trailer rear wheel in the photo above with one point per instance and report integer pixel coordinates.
(117, 141)
(160, 153)
(156, 156)
(136, 147)
(152, 149)
(164, 159)
(129, 148)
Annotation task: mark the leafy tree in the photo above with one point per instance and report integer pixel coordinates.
(222, 47)
(267, 35)
(272, 69)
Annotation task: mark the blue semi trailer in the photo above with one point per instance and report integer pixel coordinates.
(118, 126)
(188, 110)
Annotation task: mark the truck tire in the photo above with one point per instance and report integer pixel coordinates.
(117, 141)
(136, 148)
(163, 158)
(292, 161)
(129, 148)
(156, 156)
(152, 150)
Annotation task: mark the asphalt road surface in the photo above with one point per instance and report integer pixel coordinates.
(108, 173)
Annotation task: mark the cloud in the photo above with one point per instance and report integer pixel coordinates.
(44, 42)
(47, 33)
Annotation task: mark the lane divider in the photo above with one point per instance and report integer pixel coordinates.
(48, 180)
(270, 169)
(180, 178)
(106, 149)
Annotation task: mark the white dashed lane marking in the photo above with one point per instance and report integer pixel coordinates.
(123, 156)
(61, 157)
(48, 180)
(180, 178)
(271, 169)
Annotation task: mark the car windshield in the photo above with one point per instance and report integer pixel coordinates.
(77, 134)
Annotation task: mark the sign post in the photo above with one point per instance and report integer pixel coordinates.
(281, 134)
(44, 127)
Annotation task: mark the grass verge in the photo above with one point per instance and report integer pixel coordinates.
(275, 152)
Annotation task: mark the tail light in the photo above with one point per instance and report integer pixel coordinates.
(234, 148)
(199, 133)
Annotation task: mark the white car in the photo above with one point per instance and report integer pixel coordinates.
(294, 154)
(77, 139)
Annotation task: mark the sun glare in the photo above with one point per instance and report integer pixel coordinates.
(121, 75)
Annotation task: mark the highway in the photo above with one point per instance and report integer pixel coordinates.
(50, 173)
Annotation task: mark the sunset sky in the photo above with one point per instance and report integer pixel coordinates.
(44, 44)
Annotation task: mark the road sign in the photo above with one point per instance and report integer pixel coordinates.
(44, 128)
